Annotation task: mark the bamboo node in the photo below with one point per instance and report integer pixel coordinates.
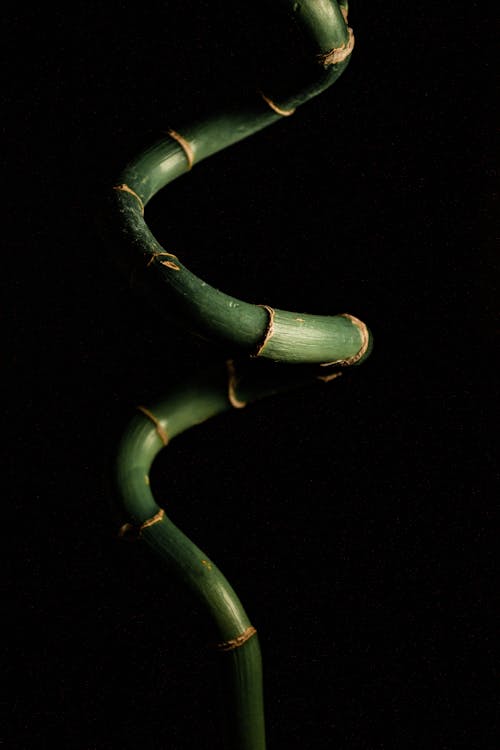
(186, 147)
(338, 54)
(170, 264)
(161, 431)
(153, 520)
(238, 641)
(231, 386)
(365, 340)
(160, 254)
(123, 188)
(268, 333)
(131, 531)
(275, 107)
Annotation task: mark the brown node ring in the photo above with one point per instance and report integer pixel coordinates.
(275, 107)
(185, 145)
(365, 340)
(238, 641)
(268, 333)
(151, 257)
(123, 188)
(338, 54)
(131, 531)
(162, 433)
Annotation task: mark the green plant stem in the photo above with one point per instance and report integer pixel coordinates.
(238, 325)
(256, 331)
(189, 404)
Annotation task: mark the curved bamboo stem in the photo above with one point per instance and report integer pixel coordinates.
(260, 332)
(152, 428)
(242, 326)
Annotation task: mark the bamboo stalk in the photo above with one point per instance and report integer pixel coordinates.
(239, 325)
(191, 403)
(260, 332)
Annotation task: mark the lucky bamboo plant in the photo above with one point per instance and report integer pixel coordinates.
(299, 347)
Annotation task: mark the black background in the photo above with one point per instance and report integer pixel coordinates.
(354, 519)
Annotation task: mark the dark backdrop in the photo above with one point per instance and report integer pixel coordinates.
(352, 519)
